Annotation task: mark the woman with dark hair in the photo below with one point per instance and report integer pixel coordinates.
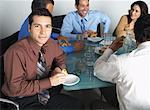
(126, 23)
(131, 71)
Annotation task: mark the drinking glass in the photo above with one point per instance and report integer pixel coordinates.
(79, 66)
(90, 72)
(89, 55)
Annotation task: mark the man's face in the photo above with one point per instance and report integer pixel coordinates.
(135, 12)
(83, 7)
(40, 29)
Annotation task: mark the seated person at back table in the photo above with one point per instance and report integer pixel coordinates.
(83, 22)
(126, 23)
(48, 4)
(33, 68)
(130, 71)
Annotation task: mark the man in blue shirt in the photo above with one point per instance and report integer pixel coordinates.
(83, 21)
(48, 4)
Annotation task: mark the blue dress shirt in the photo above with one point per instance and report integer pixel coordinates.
(72, 24)
(24, 33)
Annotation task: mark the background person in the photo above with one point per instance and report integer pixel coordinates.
(83, 22)
(126, 23)
(48, 4)
(33, 67)
(130, 71)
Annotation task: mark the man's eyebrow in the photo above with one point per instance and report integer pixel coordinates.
(36, 24)
(40, 24)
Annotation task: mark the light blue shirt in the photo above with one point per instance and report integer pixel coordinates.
(72, 24)
(24, 30)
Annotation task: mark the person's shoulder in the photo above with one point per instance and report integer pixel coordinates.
(18, 46)
(26, 20)
(24, 29)
(25, 23)
(71, 14)
(96, 13)
(124, 17)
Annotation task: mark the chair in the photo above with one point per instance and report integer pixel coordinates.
(57, 23)
(114, 32)
(5, 43)
(99, 30)
(101, 105)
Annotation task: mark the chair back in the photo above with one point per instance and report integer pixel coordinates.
(8, 41)
(57, 23)
(4, 45)
(99, 30)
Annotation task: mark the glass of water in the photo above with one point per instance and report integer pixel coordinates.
(89, 55)
(79, 66)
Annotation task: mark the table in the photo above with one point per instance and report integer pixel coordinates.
(87, 80)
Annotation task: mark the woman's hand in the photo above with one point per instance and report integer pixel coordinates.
(117, 43)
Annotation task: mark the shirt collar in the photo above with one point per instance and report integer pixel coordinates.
(36, 48)
(79, 17)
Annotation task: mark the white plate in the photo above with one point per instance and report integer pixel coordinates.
(71, 79)
(106, 42)
(94, 39)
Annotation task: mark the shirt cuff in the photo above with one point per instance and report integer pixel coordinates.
(108, 52)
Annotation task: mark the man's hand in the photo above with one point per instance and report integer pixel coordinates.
(117, 43)
(63, 41)
(58, 77)
(89, 33)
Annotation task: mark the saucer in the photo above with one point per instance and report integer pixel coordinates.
(106, 42)
(95, 39)
(71, 80)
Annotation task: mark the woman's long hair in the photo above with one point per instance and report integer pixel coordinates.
(143, 7)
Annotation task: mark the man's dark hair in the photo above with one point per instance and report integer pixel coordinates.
(142, 29)
(40, 4)
(39, 12)
(77, 2)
